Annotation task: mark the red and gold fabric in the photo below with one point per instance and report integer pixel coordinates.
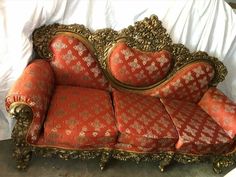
(136, 68)
(143, 122)
(132, 148)
(221, 109)
(74, 63)
(34, 88)
(198, 132)
(80, 117)
(189, 83)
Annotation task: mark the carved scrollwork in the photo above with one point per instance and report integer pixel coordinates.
(43, 36)
(186, 159)
(22, 151)
(101, 39)
(164, 159)
(147, 35)
(219, 161)
(23, 114)
(105, 157)
(67, 154)
(223, 161)
(104, 154)
(183, 57)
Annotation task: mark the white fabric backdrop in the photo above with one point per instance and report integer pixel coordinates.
(208, 25)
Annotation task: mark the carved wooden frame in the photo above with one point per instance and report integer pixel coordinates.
(23, 151)
(146, 35)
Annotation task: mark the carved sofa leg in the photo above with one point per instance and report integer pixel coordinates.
(220, 163)
(165, 161)
(22, 152)
(105, 157)
(22, 156)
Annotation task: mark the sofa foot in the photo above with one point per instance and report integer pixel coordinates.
(22, 156)
(105, 157)
(220, 163)
(165, 161)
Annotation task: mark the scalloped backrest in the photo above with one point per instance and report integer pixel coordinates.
(136, 68)
(156, 66)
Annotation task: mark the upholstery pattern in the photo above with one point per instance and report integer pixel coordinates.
(190, 83)
(80, 117)
(34, 88)
(198, 132)
(221, 109)
(160, 144)
(133, 67)
(74, 63)
(132, 148)
(143, 122)
(42, 142)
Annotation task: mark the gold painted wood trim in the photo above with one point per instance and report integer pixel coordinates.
(147, 35)
(22, 151)
(233, 5)
(42, 36)
(80, 38)
(219, 162)
(141, 36)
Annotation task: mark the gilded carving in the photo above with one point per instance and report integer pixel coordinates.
(164, 158)
(183, 57)
(43, 36)
(146, 35)
(22, 151)
(224, 161)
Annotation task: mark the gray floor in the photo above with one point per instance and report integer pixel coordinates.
(46, 167)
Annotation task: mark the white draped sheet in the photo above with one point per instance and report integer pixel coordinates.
(208, 25)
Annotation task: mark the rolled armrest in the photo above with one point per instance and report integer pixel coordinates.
(34, 88)
(221, 109)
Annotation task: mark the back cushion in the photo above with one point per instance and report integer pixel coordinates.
(188, 83)
(137, 68)
(74, 62)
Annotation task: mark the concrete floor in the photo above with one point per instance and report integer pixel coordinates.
(46, 167)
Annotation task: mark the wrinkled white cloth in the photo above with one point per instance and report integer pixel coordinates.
(200, 25)
(232, 173)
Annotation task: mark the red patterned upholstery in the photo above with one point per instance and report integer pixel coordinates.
(189, 83)
(143, 122)
(198, 133)
(80, 117)
(74, 64)
(133, 67)
(132, 148)
(34, 88)
(221, 109)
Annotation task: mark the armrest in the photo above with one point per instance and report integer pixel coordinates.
(221, 109)
(34, 88)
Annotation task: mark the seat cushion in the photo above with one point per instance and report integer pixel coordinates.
(198, 132)
(143, 122)
(80, 117)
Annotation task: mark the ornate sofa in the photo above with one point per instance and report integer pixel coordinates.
(129, 94)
